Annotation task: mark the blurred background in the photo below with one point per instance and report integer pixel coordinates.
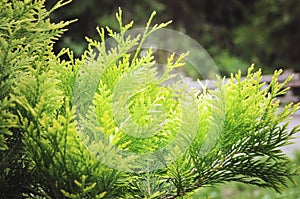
(235, 33)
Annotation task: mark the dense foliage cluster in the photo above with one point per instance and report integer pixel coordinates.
(44, 155)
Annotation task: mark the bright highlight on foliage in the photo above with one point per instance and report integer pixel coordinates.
(139, 117)
(106, 126)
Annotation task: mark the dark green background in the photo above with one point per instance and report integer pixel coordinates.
(236, 33)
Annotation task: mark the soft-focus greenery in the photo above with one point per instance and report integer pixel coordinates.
(42, 155)
(235, 32)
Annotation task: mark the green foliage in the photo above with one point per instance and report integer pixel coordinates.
(26, 37)
(100, 13)
(152, 95)
(257, 31)
(51, 147)
(230, 63)
(251, 135)
(238, 190)
(84, 190)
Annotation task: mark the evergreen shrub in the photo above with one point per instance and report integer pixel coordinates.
(56, 143)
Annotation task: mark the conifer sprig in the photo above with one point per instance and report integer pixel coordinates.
(64, 125)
